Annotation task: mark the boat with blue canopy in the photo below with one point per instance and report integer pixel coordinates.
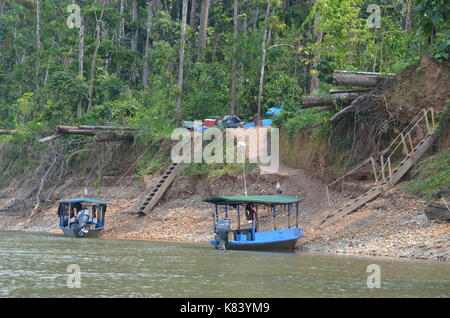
(82, 217)
(248, 236)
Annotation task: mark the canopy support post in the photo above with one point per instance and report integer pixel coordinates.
(239, 216)
(253, 226)
(296, 215)
(289, 216)
(274, 217)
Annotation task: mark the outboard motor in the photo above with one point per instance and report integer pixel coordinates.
(222, 232)
(81, 223)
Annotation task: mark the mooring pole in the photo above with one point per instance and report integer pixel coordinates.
(289, 216)
(239, 216)
(274, 217)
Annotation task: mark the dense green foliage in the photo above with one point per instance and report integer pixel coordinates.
(432, 175)
(40, 84)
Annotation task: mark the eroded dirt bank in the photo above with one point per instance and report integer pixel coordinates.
(393, 225)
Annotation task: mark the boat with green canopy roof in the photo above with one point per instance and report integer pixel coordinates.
(245, 237)
(82, 217)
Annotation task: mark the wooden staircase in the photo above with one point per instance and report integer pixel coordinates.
(159, 189)
(384, 182)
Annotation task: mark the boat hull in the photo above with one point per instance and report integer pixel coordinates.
(92, 233)
(281, 240)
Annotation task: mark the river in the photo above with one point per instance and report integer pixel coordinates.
(36, 265)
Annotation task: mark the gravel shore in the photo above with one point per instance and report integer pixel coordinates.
(393, 225)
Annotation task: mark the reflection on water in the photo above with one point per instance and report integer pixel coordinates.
(36, 266)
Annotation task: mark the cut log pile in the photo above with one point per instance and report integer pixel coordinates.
(365, 82)
(5, 132)
(100, 133)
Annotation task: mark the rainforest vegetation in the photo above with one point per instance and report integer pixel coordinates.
(153, 63)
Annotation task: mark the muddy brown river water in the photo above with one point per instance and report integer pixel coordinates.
(43, 265)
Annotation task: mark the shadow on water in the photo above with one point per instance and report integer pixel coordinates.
(35, 265)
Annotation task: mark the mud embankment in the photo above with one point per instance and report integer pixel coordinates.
(394, 225)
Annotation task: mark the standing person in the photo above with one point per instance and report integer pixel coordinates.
(279, 191)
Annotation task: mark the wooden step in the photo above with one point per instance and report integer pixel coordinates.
(398, 172)
(159, 189)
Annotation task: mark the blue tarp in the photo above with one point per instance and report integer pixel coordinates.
(265, 123)
(274, 111)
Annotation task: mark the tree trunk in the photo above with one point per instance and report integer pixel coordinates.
(255, 20)
(146, 70)
(361, 79)
(314, 83)
(336, 99)
(263, 57)
(409, 15)
(94, 57)
(84, 127)
(350, 90)
(181, 65)
(203, 28)
(193, 18)
(234, 74)
(134, 41)
(121, 34)
(2, 7)
(38, 40)
(80, 63)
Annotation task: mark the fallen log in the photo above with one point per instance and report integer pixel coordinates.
(360, 79)
(334, 100)
(5, 132)
(80, 132)
(93, 131)
(106, 128)
(52, 137)
(350, 90)
(62, 129)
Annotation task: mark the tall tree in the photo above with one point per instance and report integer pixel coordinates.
(152, 5)
(134, 41)
(234, 74)
(204, 16)
(314, 76)
(80, 62)
(98, 35)
(38, 40)
(193, 18)
(121, 34)
(181, 62)
(409, 15)
(263, 57)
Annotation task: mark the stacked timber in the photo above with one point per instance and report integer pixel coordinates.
(359, 79)
(5, 132)
(365, 81)
(100, 133)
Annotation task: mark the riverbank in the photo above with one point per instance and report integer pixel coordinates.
(394, 225)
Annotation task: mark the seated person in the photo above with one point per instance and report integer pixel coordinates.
(250, 211)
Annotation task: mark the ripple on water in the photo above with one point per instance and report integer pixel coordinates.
(36, 266)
